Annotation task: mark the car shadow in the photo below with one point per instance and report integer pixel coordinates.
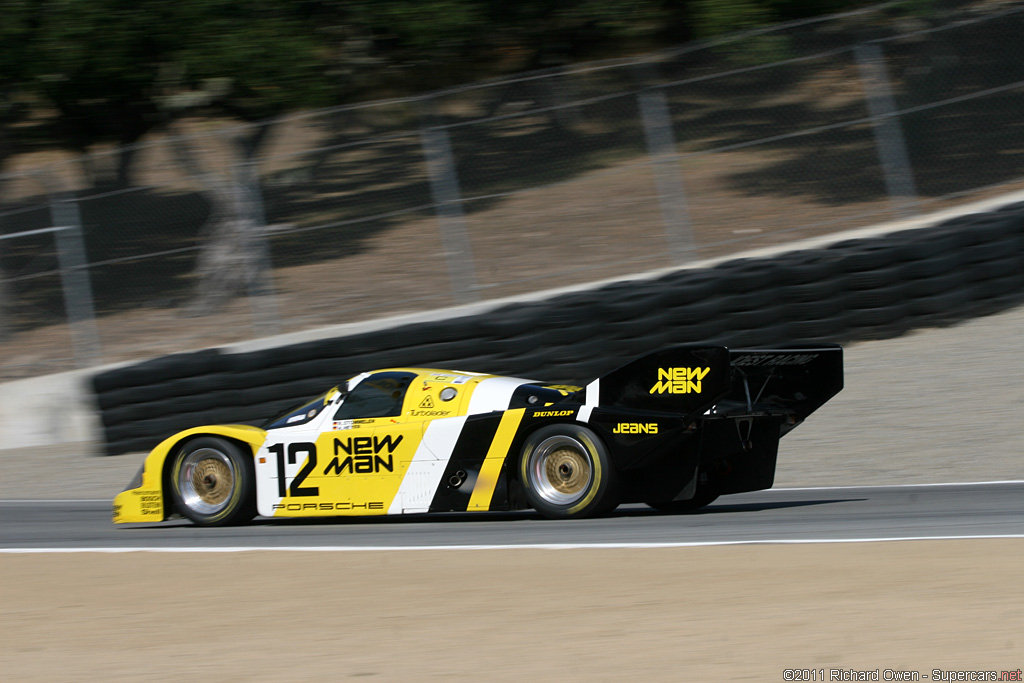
(625, 511)
(635, 510)
(725, 508)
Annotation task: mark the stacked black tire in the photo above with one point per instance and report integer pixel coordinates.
(869, 288)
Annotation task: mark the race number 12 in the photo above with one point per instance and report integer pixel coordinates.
(302, 450)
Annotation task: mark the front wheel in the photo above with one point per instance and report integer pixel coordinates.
(213, 482)
(566, 472)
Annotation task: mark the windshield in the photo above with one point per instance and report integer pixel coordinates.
(379, 395)
(303, 413)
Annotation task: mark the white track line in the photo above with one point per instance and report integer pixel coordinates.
(894, 486)
(525, 546)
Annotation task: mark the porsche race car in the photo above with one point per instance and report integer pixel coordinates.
(674, 429)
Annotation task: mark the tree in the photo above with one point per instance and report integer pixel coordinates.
(113, 70)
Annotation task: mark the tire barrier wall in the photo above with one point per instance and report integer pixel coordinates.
(869, 288)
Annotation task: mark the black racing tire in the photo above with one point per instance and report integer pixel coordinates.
(704, 497)
(213, 482)
(566, 472)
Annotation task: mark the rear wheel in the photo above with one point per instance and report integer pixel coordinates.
(566, 472)
(213, 482)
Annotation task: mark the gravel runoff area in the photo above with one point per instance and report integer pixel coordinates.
(936, 405)
(656, 614)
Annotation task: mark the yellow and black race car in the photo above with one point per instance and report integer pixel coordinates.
(674, 429)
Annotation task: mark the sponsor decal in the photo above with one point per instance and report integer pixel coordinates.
(427, 402)
(362, 455)
(301, 507)
(554, 413)
(361, 464)
(448, 379)
(365, 445)
(150, 502)
(752, 359)
(636, 428)
(429, 413)
(679, 380)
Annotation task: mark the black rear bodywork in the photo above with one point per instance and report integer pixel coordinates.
(720, 434)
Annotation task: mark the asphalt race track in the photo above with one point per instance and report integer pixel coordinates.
(779, 515)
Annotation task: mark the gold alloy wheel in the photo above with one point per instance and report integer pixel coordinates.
(206, 480)
(567, 470)
(561, 470)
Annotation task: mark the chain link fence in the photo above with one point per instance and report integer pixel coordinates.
(504, 187)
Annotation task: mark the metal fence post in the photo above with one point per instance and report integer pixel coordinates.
(668, 177)
(892, 149)
(74, 275)
(444, 188)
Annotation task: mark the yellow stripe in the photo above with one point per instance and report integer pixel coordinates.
(483, 491)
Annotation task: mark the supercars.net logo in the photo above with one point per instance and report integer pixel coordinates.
(679, 380)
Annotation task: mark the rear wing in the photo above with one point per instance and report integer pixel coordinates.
(793, 381)
(691, 380)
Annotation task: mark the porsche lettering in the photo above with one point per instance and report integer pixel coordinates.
(299, 507)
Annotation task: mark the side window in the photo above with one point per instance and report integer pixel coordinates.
(379, 395)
